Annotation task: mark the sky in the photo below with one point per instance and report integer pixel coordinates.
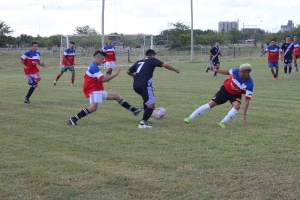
(51, 17)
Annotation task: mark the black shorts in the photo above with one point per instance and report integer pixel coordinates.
(222, 96)
(287, 60)
(215, 62)
(147, 94)
(297, 56)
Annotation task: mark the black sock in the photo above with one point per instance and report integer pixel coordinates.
(81, 114)
(147, 114)
(215, 72)
(30, 91)
(285, 70)
(290, 70)
(126, 105)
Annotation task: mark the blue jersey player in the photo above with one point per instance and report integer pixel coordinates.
(142, 72)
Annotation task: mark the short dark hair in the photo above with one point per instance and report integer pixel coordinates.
(273, 40)
(287, 36)
(72, 43)
(150, 52)
(100, 52)
(33, 43)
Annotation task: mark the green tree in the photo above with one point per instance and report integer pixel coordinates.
(235, 36)
(85, 30)
(5, 30)
(24, 40)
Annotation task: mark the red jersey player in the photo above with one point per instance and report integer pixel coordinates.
(110, 58)
(29, 60)
(296, 51)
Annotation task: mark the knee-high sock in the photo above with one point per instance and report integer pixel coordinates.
(84, 112)
(231, 114)
(30, 91)
(200, 110)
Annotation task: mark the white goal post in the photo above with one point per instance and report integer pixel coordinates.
(129, 48)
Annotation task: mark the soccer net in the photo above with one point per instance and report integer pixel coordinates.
(129, 48)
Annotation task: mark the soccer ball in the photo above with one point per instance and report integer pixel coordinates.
(159, 113)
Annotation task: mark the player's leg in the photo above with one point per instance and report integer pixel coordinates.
(148, 103)
(123, 103)
(276, 65)
(72, 70)
(271, 66)
(236, 103)
(295, 62)
(62, 70)
(33, 80)
(217, 66)
(110, 66)
(220, 97)
(96, 98)
(289, 64)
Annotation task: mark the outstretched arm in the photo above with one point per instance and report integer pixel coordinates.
(169, 67)
(108, 78)
(222, 71)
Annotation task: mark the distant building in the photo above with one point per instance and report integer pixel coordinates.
(250, 30)
(288, 27)
(225, 27)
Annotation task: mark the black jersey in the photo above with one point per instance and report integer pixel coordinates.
(143, 70)
(288, 49)
(215, 51)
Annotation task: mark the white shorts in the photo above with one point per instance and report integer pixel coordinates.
(110, 65)
(98, 96)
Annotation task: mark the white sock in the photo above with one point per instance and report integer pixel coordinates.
(231, 114)
(200, 110)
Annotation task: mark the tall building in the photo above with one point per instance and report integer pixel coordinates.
(288, 27)
(225, 27)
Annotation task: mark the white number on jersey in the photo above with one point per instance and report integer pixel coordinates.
(140, 67)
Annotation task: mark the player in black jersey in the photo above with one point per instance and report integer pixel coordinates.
(287, 55)
(142, 72)
(214, 57)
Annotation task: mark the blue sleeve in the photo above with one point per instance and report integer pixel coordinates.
(93, 68)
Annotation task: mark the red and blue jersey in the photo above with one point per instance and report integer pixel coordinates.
(92, 80)
(110, 53)
(236, 85)
(31, 58)
(296, 48)
(273, 52)
(69, 54)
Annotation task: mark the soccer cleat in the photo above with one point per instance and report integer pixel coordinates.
(72, 122)
(54, 83)
(222, 124)
(297, 70)
(188, 120)
(143, 125)
(26, 100)
(137, 111)
(276, 78)
(288, 75)
(207, 68)
(72, 84)
(285, 75)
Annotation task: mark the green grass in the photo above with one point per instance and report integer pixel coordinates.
(107, 157)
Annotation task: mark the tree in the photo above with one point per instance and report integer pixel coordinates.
(4, 32)
(86, 30)
(235, 36)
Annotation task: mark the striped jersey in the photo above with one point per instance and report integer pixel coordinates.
(110, 53)
(236, 85)
(31, 58)
(69, 54)
(92, 80)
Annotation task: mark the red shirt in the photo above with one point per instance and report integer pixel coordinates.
(110, 53)
(92, 80)
(31, 58)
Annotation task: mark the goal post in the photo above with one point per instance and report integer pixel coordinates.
(129, 48)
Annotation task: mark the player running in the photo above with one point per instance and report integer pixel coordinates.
(110, 58)
(68, 63)
(296, 51)
(29, 60)
(273, 57)
(214, 57)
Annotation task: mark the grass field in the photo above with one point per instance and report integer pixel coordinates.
(107, 157)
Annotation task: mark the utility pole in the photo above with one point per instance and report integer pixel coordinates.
(192, 33)
(103, 4)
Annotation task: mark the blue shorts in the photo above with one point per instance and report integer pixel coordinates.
(273, 64)
(33, 79)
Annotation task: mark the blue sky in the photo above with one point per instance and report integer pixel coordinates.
(50, 17)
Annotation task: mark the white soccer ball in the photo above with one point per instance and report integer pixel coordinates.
(159, 113)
